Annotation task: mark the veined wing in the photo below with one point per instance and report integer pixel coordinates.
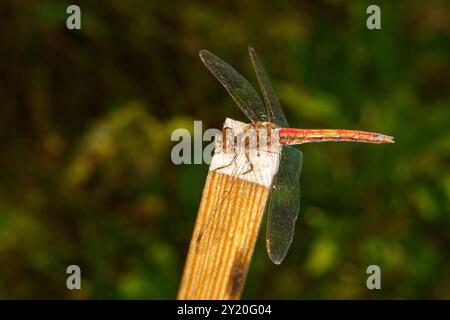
(284, 204)
(274, 110)
(237, 86)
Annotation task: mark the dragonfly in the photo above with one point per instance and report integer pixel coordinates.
(283, 204)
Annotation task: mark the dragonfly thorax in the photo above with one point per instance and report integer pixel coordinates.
(261, 136)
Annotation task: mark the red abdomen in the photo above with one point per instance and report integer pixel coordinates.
(299, 136)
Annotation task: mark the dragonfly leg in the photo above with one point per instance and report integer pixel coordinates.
(273, 152)
(227, 165)
(225, 146)
(249, 162)
(224, 140)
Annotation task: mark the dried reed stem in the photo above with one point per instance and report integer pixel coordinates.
(219, 268)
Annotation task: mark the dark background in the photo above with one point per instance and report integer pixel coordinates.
(85, 123)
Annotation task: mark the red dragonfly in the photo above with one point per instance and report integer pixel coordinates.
(284, 202)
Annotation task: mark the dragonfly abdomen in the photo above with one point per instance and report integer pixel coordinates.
(293, 136)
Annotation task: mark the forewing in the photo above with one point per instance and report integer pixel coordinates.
(237, 86)
(284, 204)
(274, 110)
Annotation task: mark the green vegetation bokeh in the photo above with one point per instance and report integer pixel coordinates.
(86, 118)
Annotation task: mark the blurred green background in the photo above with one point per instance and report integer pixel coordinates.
(86, 118)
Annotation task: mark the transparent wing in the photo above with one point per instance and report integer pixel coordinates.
(284, 204)
(274, 110)
(237, 86)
